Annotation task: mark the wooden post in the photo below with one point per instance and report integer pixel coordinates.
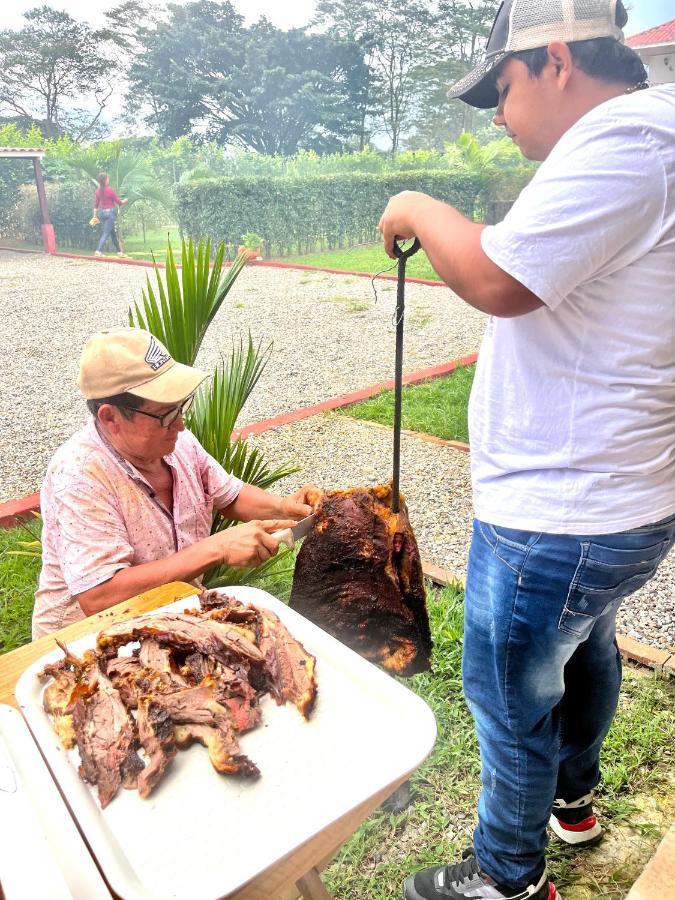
(48, 238)
(312, 888)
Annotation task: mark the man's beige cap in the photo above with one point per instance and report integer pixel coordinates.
(130, 360)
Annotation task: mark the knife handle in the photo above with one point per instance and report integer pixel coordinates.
(285, 536)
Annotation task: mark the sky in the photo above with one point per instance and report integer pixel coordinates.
(293, 13)
(282, 13)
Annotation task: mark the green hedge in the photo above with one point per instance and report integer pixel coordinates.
(302, 214)
(70, 207)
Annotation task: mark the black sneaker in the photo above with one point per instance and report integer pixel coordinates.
(465, 879)
(575, 822)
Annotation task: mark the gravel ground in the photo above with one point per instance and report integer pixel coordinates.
(337, 452)
(330, 337)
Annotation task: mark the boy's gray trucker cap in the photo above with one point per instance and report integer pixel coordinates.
(526, 24)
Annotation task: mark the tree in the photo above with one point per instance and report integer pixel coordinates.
(348, 20)
(51, 60)
(460, 34)
(203, 73)
(397, 38)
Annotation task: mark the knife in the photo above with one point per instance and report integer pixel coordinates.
(289, 536)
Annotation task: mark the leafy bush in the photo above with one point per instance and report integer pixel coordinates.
(70, 205)
(300, 214)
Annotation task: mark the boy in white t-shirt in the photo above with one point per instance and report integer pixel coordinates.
(572, 419)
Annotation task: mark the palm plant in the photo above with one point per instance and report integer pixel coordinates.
(178, 312)
(183, 306)
(487, 160)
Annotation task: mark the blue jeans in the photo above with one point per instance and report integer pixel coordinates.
(541, 673)
(108, 218)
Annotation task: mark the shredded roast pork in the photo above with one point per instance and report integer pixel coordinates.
(197, 677)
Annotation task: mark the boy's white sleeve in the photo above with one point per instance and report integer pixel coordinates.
(593, 207)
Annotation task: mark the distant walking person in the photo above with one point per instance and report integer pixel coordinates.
(106, 202)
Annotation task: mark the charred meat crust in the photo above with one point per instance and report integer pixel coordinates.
(105, 736)
(359, 577)
(188, 632)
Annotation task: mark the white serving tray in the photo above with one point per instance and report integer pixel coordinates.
(201, 835)
(41, 851)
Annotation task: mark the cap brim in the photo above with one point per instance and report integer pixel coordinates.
(478, 87)
(172, 386)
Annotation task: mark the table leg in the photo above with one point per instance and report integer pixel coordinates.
(312, 888)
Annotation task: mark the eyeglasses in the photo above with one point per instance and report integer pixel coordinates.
(170, 417)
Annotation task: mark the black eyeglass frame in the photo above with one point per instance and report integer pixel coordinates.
(168, 418)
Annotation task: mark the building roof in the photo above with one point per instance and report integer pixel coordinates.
(22, 152)
(660, 34)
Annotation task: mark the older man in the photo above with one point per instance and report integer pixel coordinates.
(127, 501)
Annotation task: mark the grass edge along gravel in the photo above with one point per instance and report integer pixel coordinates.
(366, 258)
(438, 407)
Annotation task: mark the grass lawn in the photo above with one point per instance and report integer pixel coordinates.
(369, 258)
(437, 407)
(18, 580)
(155, 242)
(437, 824)
(134, 247)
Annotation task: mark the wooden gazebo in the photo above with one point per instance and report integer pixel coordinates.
(48, 239)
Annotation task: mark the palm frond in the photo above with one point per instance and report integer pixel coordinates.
(130, 172)
(183, 305)
(214, 415)
(217, 406)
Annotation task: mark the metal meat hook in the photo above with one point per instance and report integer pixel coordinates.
(402, 256)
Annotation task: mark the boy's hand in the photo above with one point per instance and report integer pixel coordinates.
(398, 218)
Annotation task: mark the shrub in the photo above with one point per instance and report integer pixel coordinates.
(300, 214)
(70, 206)
(69, 212)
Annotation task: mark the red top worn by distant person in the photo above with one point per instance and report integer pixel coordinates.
(106, 198)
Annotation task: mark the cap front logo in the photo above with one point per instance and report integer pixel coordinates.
(156, 355)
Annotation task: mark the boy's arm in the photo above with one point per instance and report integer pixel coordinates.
(452, 243)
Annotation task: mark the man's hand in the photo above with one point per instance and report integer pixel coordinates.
(249, 544)
(397, 218)
(302, 502)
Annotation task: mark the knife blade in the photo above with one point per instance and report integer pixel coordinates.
(289, 536)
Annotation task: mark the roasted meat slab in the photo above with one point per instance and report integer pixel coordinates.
(188, 632)
(359, 577)
(196, 677)
(105, 737)
(289, 666)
